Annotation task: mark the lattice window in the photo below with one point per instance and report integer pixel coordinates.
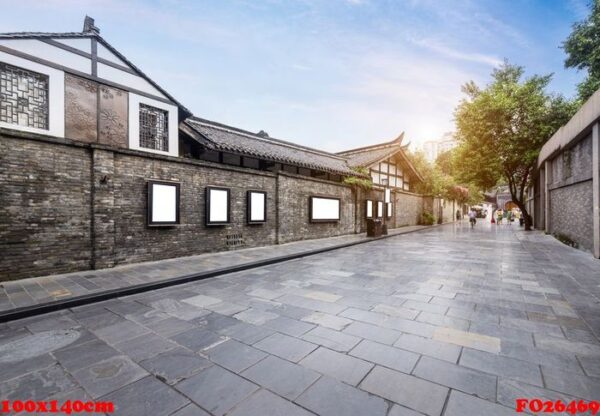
(23, 97)
(154, 128)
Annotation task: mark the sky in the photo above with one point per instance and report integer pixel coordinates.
(331, 74)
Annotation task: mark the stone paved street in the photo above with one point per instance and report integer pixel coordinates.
(447, 321)
(39, 290)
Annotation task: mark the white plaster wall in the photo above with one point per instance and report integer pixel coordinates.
(125, 78)
(83, 44)
(104, 53)
(134, 124)
(50, 53)
(56, 96)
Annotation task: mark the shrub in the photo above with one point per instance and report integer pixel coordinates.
(427, 218)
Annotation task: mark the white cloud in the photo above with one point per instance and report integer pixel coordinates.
(458, 54)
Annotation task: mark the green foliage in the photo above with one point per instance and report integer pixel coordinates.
(427, 218)
(440, 180)
(502, 127)
(583, 51)
(359, 181)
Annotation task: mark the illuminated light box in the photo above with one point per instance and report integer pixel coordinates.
(163, 203)
(217, 206)
(390, 211)
(379, 209)
(388, 196)
(257, 207)
(324, 209)
(369, 208)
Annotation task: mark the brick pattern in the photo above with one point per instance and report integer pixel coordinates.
(570, 194)
(45, 208)
(571, 213)
(293, 202)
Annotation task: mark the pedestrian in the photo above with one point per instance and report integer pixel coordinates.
(509, 218)
(499, 215)
(457, 215)
(472, 217)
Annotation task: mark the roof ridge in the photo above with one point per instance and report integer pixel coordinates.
(397, 141)
(237, 130)
(48, 34)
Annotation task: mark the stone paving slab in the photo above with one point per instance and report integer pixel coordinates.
(253, 343)
(39, 290)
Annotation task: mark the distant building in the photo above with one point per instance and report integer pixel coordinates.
(434, 148)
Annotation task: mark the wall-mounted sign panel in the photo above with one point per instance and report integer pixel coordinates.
(217, 206)
(369, 208)
(163, 203)
(257, 207)
(390, 210)
(388, 196)
(324, 209)
(379, 209)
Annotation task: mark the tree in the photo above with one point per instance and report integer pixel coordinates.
(502, 128)
(583, 51)
(439, 180)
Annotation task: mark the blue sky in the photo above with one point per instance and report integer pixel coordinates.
(332, 74)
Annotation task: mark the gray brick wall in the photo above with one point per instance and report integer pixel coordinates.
(67, 206)
(136, 242)
(44, 208)
(294, 193)
(570, 194)
(571, 213)
(408, 209)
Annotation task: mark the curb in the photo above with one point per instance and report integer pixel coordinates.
(34, 310)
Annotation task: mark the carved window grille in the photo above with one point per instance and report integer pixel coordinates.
(154, 128)
(23, 97)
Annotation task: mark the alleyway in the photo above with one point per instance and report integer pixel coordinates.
(448, 321)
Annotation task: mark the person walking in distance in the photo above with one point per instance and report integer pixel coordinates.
(472, 217)
(499, 216)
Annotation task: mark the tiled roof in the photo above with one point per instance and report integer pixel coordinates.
(368, 155)
(231, 139)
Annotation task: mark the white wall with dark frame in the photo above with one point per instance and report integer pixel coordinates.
(218, 206)
(56, 96)
(324, 209)
(163, 203)
(134, 124)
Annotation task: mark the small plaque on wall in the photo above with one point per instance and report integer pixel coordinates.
(379, 209)
(163, 203)
(369, 208)
(217, 206)
(257, 207)
(324, 209)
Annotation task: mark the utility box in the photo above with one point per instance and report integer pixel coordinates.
(374, 228)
